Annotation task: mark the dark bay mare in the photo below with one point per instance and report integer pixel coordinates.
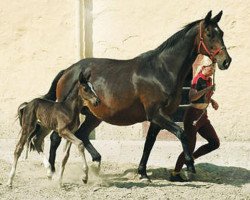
(62, 117)
(145, 88)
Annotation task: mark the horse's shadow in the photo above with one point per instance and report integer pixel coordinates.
(228, 175)
(206, 173)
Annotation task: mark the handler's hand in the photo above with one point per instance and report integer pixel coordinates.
(215, 104)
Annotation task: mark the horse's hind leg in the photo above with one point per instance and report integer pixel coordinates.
(17, 153)
(166, 123)
(64, 160)
(90, 123)
(150, 140)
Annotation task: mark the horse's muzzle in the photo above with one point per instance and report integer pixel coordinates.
(227, 63)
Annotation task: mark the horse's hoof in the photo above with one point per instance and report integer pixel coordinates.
(145, 179)
(190, 167)
(96, 167)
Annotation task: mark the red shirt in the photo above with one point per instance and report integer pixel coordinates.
(200, 82)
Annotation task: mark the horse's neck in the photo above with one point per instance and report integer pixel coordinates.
(182, 56)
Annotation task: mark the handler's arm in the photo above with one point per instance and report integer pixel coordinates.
(194, 94)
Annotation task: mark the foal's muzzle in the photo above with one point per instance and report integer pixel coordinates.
(97, 102)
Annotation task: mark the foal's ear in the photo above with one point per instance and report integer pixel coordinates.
(208, 17)
(216, 19)
(82, 78)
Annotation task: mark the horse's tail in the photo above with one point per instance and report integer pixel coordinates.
(51, 94)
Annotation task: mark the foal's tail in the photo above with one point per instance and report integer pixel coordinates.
(36, 133)
(51, 94)
(20, 112)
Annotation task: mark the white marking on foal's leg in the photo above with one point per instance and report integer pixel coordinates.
(47, 166)
(64, 161)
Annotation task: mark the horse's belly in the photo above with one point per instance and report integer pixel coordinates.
(122, 117)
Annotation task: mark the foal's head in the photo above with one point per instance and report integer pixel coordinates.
(86, 90)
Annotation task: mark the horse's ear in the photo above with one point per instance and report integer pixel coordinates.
(208, 17)
(216, 19)
(82, 78)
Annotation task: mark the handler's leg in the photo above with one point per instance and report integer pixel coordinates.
(207, 131)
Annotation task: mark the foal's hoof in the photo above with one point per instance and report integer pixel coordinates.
(9, 185)
(85, 179)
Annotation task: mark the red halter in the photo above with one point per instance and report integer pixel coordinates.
(202, 44)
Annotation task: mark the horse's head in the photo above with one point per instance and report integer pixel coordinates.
(211, 42)
(86, 90)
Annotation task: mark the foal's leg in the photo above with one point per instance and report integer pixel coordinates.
(64, 160)
(65, 133)
(89, 124)
(17, 153)
(150, 140)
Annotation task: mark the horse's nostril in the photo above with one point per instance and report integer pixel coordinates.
(226, 64)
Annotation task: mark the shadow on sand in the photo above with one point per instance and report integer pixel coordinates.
(206, 173)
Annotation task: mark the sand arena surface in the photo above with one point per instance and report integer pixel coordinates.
(218, 176)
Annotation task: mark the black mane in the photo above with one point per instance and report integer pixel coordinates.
(170, 42)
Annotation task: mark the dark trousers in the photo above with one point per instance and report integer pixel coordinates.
(204, 128)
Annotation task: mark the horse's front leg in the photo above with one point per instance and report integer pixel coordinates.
(68, 135)
(150, 140)
(165, 122)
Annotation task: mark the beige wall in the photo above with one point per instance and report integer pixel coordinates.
(38, 38)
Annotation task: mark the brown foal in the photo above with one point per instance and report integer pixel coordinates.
(62, 117)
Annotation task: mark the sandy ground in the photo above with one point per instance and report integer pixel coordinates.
(223, 174)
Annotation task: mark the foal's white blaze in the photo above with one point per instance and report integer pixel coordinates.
(91, 87)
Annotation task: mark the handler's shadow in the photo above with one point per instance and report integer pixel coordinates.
(228, 175)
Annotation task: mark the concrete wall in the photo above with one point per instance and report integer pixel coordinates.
(38, 38)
